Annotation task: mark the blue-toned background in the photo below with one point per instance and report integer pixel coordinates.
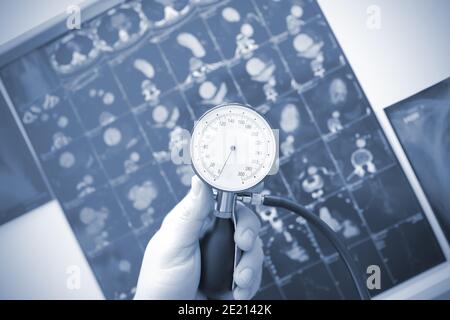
(102, 107)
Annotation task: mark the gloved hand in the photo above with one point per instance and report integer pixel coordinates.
(171, 264)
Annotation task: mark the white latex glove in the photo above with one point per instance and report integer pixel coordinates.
(171, 264)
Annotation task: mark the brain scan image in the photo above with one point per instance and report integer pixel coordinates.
(98, 221)
(121, 147)
(98, 100)
(145, 197)
(142, 195)
(287, 15)
(147, 75)
(311, 53)
(163, 122)
(312, 175)
(121, 264)
(165, 13)
(308, 48)
(50, 123)
(295, 20)
(179, 139)
(191, 52)
(288, 247)
(336, 102)
(185, 174)
(120, 27)
(271, 218)
(361, 150)
(296, 129)
(73, 52)
(262, 78)
(179, 177)
(341, 214)
(237, 20)
(218, 87)
(74, 171)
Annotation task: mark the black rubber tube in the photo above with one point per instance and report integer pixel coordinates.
(334, 238)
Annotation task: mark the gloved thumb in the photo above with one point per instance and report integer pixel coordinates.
(183, 224)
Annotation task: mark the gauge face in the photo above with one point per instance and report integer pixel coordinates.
(232, 147)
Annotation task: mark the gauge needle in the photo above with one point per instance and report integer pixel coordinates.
(225, 163)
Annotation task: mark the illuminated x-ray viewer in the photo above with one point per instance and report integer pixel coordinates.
(233, 148)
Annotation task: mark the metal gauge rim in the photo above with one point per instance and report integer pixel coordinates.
(271, 134)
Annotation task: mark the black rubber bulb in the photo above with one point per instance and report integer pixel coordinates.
(217, 259)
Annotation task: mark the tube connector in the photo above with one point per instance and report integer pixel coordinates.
(255, 199)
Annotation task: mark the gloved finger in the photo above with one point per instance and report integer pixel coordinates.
(183, 224)
(250, 266)
(247, 227)
(248, 293)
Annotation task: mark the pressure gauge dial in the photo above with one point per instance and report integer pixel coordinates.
(232, 147)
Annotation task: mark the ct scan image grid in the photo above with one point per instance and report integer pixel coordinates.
(104, 106)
